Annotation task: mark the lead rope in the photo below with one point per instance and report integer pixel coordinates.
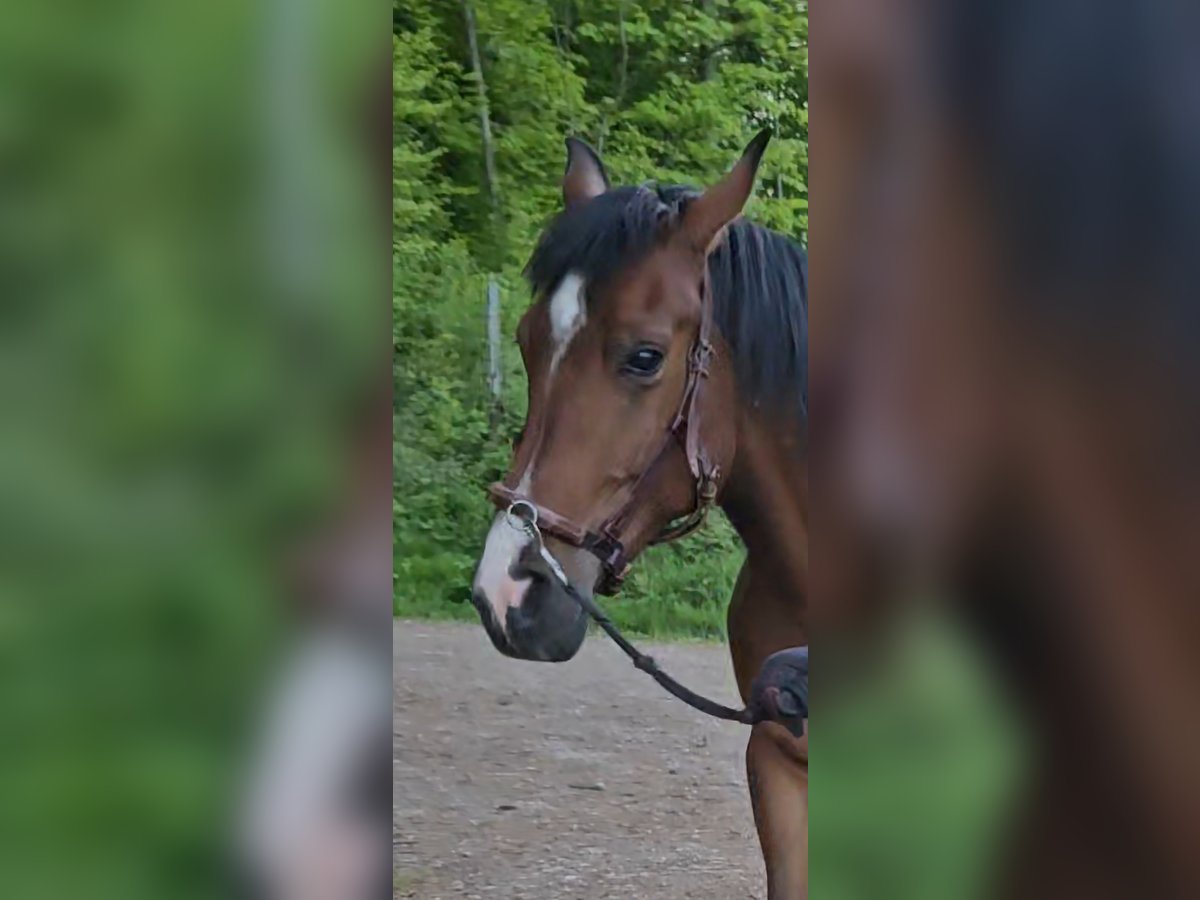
(523, 516)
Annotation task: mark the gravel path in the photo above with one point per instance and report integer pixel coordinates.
(576, 780)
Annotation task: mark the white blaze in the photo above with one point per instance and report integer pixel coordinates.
(568, 314)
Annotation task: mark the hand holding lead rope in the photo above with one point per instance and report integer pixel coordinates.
(780, 690)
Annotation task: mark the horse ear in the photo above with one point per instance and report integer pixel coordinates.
(585, 177)
(722, 203)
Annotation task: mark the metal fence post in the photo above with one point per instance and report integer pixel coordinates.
(493, 336)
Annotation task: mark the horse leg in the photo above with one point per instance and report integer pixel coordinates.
(762, 622)
(779, 795)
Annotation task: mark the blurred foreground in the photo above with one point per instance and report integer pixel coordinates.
(1006, 502)
(192, 317)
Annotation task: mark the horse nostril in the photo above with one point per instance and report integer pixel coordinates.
(520, 571)
(529, 565)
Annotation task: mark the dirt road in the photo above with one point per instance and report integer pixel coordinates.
(577, 780)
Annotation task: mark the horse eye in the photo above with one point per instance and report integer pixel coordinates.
(643, 362)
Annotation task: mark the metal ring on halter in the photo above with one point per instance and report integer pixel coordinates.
(529, 521)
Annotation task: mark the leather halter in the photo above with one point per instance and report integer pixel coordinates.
(607, 543)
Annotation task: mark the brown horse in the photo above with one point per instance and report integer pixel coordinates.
(666, 355)
(1006, 389)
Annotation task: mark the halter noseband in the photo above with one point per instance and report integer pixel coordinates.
(607, 543)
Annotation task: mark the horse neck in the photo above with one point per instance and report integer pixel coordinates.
(766, 500)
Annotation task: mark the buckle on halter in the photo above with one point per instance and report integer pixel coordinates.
(706, 490)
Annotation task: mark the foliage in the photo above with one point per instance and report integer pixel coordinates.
(665, 91)
(922, 759)
(189, 285)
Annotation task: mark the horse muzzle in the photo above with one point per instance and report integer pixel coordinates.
(547, 626)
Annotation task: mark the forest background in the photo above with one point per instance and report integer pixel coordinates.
(484, 92)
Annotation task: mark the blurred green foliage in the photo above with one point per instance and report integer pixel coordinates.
(188, 283)
(666, 91)
(919, 760)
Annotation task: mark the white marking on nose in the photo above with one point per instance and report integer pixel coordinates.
(526, 479)
(568, 314)
(504, 545)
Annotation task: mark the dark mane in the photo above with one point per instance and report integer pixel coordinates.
(759, 280)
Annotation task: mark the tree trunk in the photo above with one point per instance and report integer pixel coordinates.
(710, 61)
(495, 386)
(485, 112)
(622, 78)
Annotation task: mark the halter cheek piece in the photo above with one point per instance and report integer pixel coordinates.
(607, 543)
